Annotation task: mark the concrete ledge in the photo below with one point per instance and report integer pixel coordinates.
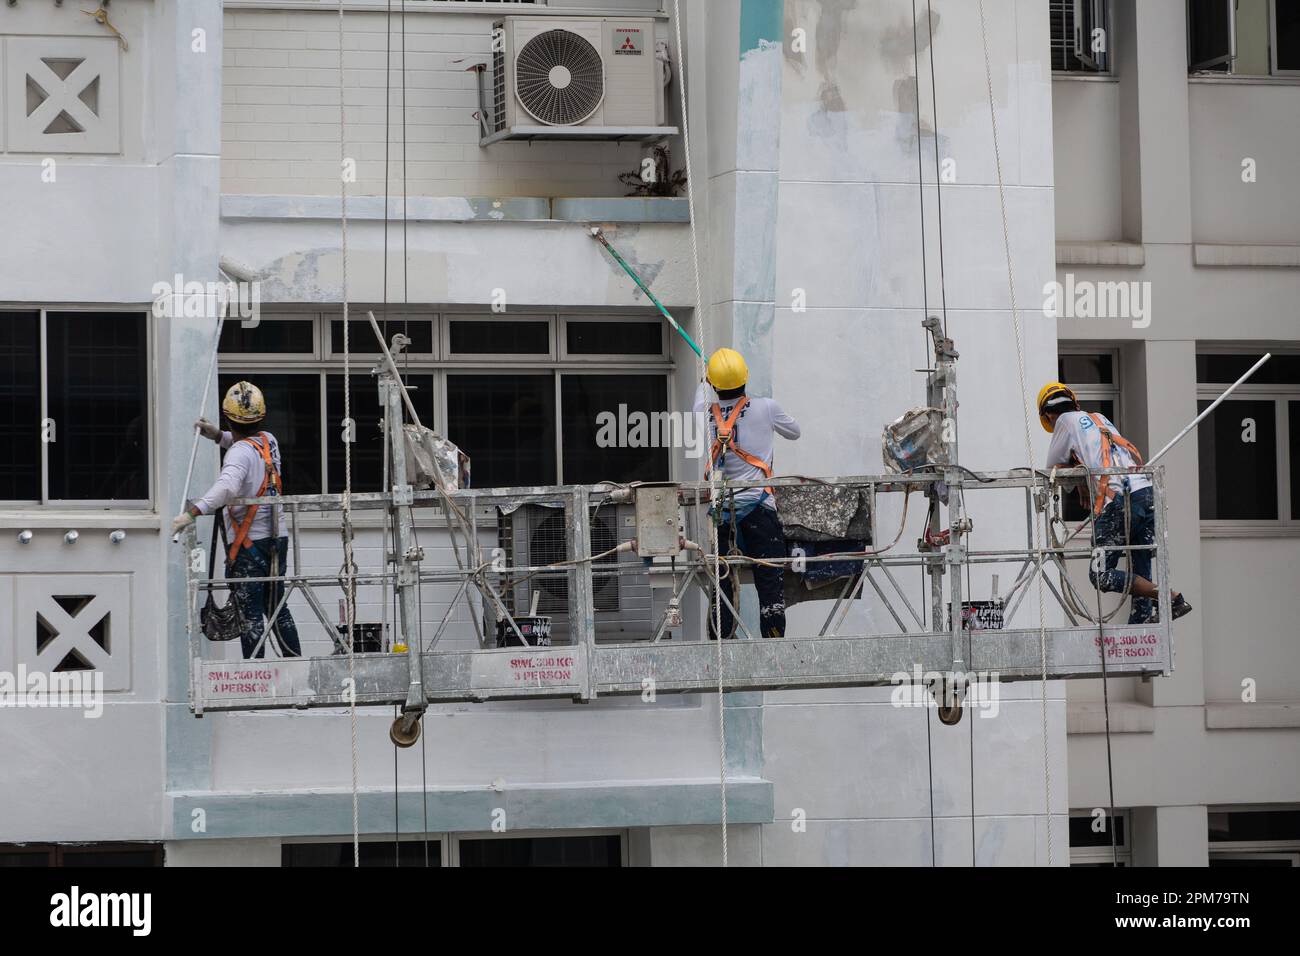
(418, 208)
(235, 208)
(621, 209)
(1126, 717)
(1258, 716)
(329, 812)
(1103, 253)
(1257, 256)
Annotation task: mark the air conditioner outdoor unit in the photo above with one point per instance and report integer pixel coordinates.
(561, 78)
(627, 608)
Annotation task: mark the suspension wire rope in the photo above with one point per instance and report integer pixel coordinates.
(925, 307)
(1029, 449)
(349, 566)
(938, 190)
(715, 491)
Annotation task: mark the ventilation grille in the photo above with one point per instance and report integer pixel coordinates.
(542, 541)
(559, 78)
(1062, 15)
(498, 77)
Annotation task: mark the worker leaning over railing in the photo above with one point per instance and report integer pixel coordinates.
(741, 433)
(251, 469)
(1092, 440)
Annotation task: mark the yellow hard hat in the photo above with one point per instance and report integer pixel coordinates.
(244, 403)
(1048, 393)
(727, 370)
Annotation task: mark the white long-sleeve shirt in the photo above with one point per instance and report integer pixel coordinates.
(755, 430)
(242, 474)
(1076, 436)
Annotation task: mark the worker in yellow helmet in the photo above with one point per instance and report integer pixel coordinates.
(742, 433)
(1092, 440)
(257, 549)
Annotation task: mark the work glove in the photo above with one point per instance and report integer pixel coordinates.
(208, 430)
(181, 522)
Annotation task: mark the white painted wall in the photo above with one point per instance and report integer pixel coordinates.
(849, 235)
(1085, 132)
(1181, 144)
(280, 109)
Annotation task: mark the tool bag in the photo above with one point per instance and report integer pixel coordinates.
(221, 623)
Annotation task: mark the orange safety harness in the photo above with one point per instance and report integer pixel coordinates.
(272, 477)
(725, 442)
(1108, 439)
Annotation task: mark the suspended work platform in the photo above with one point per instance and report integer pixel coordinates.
(1010, 644)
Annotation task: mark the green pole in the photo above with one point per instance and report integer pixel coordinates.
(600, 237)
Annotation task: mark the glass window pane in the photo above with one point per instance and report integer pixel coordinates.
(120, 856)
(361, 337)
(614, 338)
(1220, 369)
(97, 379)
(1293, 416)
(368, 449)
(1078, 369)
(1287, 14)
(371, 853)
(506, 424)
(1082, 833)
(20, 406)
(278, 336)
(1239, 475)
(1209, 34)
(293, 417)
(543, 851)
(500, 337)
(625, 405)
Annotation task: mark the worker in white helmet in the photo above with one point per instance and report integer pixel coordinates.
(743, 431)
(256, 548)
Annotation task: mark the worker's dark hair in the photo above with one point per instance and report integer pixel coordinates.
(239, 430)
(726, 394)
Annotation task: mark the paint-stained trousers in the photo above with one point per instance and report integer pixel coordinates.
(257, 599)
(1109, 530)
(760, 536)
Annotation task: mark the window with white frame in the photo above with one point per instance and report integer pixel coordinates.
(1250, 445)
(1244, 37)
(522, 394)
(599, 848)
(1093, 374)
(1254, 836)
(74, 410)
(1090, 839)
(1080, 31)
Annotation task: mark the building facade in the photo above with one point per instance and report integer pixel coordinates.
(849, 175)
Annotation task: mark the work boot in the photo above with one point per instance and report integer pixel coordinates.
(1179, 608)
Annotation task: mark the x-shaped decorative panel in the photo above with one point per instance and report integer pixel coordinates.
(61, 94)
(75, 622)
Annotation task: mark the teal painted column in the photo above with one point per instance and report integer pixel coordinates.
(758, 146)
